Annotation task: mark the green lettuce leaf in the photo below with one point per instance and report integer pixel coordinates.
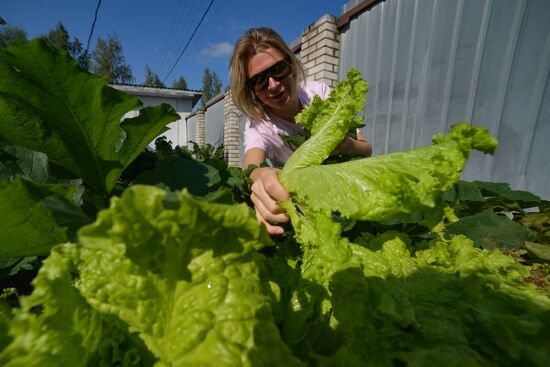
(179, 274)
(449, 304)
(385, 303)
(57, 327)
(329, 122)
(48, 104)
(399, 185)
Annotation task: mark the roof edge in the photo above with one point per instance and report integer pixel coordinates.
(143, 90)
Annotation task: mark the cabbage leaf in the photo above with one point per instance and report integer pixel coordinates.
(48, 104)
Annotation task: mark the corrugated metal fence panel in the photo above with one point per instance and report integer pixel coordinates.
(191, 130)
(214, 123)
(432, 63)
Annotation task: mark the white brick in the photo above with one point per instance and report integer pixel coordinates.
(323, 74)
(315, 55)
(308, 50)
(319, 68)
(327, 18)
(327, 27)
(326, 59)
(325, 42)
(309, 35)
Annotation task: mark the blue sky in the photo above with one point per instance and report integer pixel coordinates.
(155, 32)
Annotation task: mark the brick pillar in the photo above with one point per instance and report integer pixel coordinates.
(320, 50)
(200, 137)
(231, 131)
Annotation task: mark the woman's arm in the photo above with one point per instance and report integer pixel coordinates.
(266, 192)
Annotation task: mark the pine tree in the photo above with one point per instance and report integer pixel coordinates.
(108, 61)
(10, 34)
(211, 85)
(152, 79)
(180, 83)
(60, 39)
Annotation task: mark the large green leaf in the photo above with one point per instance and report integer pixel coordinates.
(398, 185)
(178, 173)
(489, 230)
(503, 190)
(48, 104)
(28, 228)
(35, 217)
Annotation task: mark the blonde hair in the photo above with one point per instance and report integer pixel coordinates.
(253, 41)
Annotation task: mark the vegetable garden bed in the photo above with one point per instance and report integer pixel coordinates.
(142, 258)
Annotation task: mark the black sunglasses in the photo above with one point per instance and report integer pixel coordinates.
(277, 71)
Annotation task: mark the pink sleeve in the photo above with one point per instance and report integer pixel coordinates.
(324, 93)
(253, 138)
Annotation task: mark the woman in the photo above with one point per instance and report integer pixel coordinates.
(268, 86)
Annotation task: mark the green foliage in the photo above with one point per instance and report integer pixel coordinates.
(74, 117)
(180, 83)
(108, 61)
(211, 86)
(164, 277)
(10, 34)
(152, 79)
(201, 170)
(62, 146)
(59, 38)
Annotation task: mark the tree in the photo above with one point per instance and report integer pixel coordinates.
(10, 34)
(59, 38)
(152, 79)
(180, 83)
(108, 61)
(211, 85)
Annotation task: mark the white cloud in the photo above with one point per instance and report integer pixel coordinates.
(217, 50)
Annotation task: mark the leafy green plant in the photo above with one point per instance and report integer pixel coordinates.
(63, 143)
(164, 277)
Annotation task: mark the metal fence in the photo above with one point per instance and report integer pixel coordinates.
(431, 63)
(214, 122)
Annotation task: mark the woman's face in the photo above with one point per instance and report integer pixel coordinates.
(278, 88)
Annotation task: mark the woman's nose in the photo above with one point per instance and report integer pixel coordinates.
(272, 83)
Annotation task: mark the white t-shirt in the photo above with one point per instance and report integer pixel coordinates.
(266, 133)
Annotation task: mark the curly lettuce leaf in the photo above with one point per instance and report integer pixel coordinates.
(329, 121)
(399, 185)
(451, 303)
(57, 327)
(48, 104)
(180, 274)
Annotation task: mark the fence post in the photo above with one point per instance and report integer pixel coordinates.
(201, 127)
(231, 131)
(320, 50)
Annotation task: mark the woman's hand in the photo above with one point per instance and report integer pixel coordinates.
(359, 145)
(266, 192)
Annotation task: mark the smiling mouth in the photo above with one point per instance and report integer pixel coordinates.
(278, 95)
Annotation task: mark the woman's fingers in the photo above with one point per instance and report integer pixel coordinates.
(271, 229)
(266, 193)
(273, 188)
(269, 210)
